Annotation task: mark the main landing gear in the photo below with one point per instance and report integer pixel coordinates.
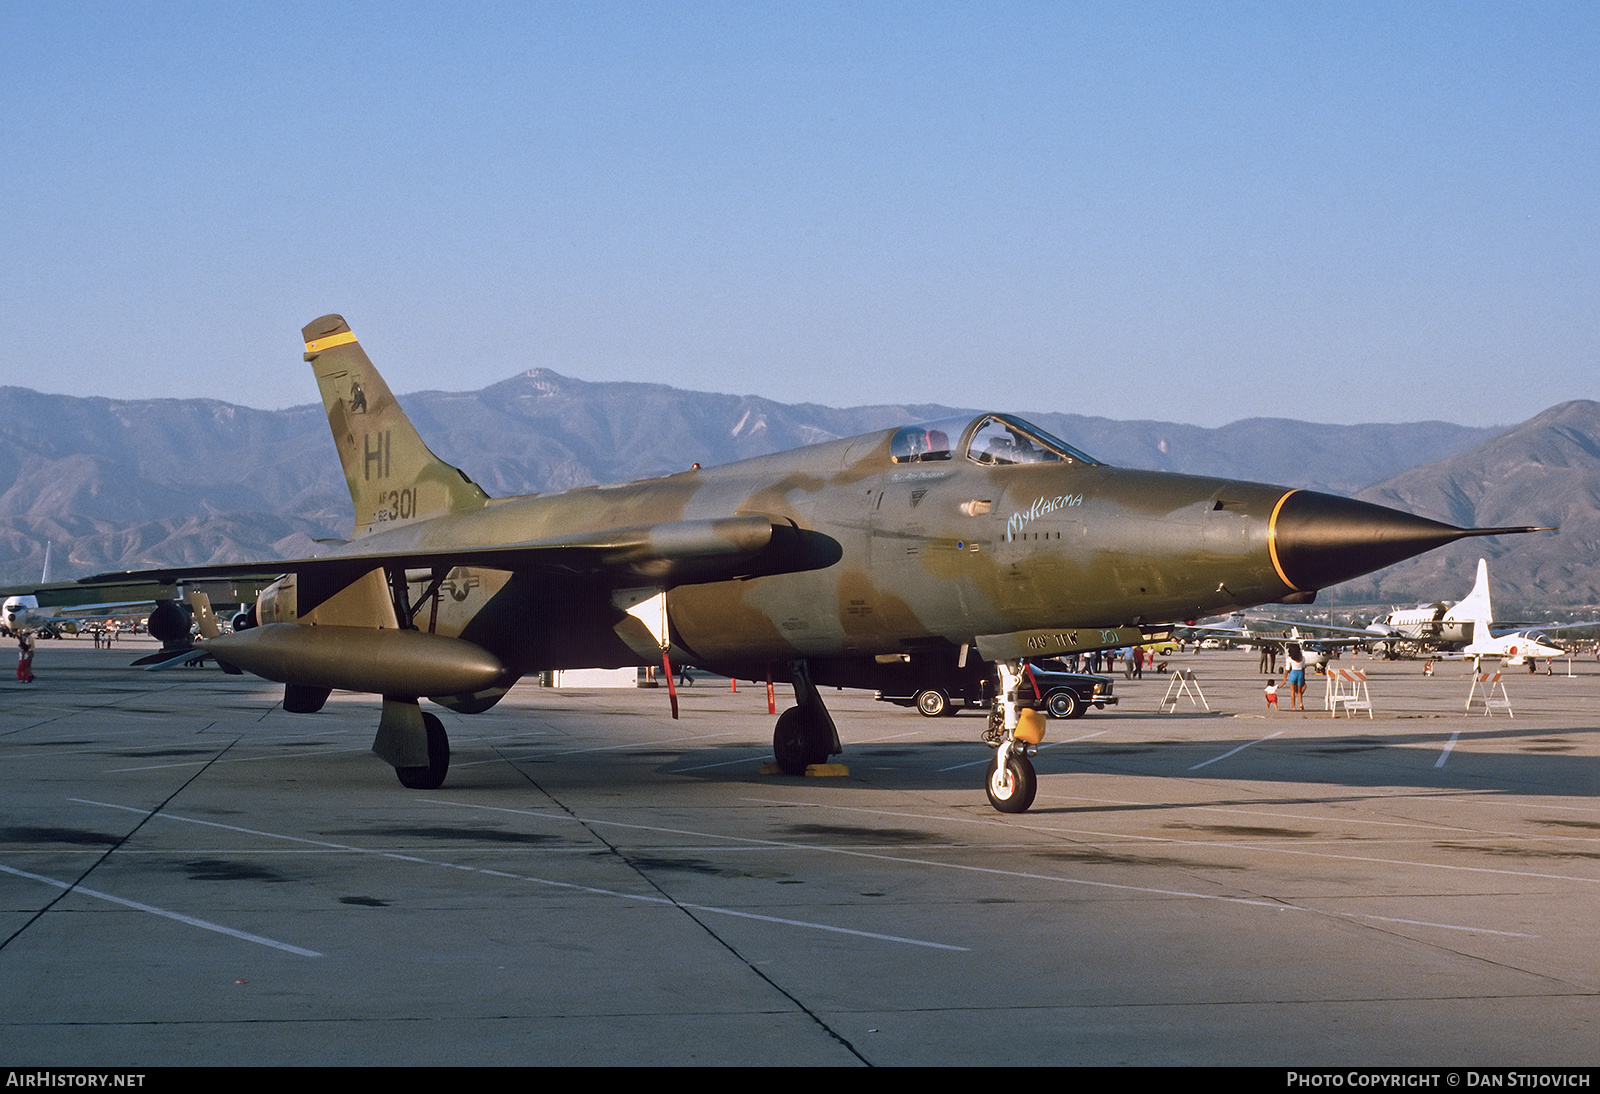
(805, 733)
(429, 776)
(414, 742)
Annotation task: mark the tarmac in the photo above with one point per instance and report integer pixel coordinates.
(188, 875)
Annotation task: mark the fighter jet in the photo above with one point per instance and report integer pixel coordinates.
(1514, 647)
(849, 563)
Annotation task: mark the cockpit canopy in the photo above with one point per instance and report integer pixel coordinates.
(992, 439)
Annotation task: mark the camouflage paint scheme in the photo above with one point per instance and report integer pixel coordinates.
(841, 563)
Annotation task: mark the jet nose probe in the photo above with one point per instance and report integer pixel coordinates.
(1317, 540)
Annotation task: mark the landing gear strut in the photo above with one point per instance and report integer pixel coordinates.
(805, 733)
(411, 739)
(1010, 781)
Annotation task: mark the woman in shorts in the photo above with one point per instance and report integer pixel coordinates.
(1294, 674)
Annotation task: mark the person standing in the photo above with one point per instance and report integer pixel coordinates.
(1294, 674)
(25, 658)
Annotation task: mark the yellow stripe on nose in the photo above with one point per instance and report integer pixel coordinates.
(1272, 540)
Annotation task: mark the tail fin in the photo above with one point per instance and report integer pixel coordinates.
(1475, 608)
(204, 617)
(393, 477)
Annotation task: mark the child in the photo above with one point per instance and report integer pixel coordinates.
(1272, 693)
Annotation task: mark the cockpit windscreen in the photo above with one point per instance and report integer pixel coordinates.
(995, 439)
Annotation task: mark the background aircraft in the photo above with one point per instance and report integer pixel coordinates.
(1439, 626)
(21, 614)
(1442, 626)
(850, 563)
(1515, 647)
(1316, 644)
(1466, 626)
(50, 609)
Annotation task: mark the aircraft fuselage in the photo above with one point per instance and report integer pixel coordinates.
(929, 555)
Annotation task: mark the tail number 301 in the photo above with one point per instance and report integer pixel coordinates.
(396, 505)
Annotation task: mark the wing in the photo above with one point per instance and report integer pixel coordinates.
(1321, 634)
(1549, 630)
(1318, 631)
(675, 553)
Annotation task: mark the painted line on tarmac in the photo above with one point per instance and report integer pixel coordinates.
(1262, 902)
(755, 757)
(265, 757)
(1052, 744)
(1232, 751)
(1448, 745)
(1277, 905)
(203, 924)
(1253, 847)
(532, 878)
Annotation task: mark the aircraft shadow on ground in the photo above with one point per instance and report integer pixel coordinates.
(1532, 761)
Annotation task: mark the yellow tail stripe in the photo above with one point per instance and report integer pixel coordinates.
(342, 339)
(1272, 540)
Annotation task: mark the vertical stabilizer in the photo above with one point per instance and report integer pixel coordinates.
(1475, 608)
(394, 478)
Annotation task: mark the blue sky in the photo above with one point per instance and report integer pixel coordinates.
(1189, 212)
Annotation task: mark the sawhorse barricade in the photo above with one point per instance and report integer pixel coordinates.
(1183, 683)
(1347, 688)
(1492, 694)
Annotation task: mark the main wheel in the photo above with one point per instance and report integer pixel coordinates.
(432, 776)
(1012, 790)
(931, 702)
(799, 740)
(1064, 704)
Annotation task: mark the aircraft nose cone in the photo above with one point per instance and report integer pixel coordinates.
(1319, 540)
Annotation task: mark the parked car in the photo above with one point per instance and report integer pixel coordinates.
(947, 697)
(1066, 694)
(1062, 692)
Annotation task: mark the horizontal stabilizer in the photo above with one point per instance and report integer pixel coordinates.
(171, 659)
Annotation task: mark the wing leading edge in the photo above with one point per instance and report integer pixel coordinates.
(679, 552)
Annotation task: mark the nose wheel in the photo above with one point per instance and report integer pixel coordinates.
(1011, 783)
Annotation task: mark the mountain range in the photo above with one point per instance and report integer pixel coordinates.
(122, 484)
